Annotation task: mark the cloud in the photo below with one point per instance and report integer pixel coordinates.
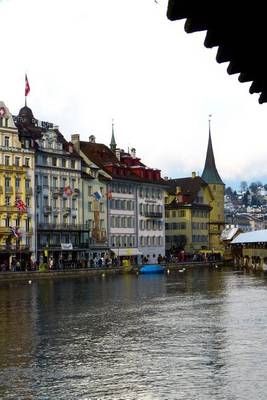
(91, 61)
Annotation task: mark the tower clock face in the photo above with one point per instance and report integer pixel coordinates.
(2, 111)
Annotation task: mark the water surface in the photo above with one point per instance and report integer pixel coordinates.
(194, 335)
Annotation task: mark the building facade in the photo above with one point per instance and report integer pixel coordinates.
(135, 202)
(17, 203)
(187, 214)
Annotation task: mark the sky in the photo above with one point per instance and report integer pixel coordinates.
(91, 61)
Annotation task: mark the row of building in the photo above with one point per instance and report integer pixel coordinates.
(71, 202)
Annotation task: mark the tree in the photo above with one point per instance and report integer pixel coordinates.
(253, 187)
(229, 191)
(243, 186)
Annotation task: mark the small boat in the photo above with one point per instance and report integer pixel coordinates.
(151, 269)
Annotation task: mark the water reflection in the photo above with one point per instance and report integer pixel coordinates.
(192, 335)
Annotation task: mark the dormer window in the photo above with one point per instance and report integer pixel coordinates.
(6, 141)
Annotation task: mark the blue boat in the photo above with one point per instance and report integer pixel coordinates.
(151, 269)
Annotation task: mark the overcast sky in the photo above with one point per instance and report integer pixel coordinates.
(89, 61)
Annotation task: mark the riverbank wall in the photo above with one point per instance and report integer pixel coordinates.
(85, 272)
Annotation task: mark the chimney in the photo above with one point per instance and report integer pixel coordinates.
(193, 174)
(75, 139)
(92, 139)
(70, 147)
(118, 154)
(133, 153)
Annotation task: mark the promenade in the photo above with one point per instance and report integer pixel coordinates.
(84, 272)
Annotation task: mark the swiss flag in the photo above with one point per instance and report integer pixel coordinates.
(27, 86)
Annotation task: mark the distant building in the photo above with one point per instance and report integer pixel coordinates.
(187, 214)
(135, 201)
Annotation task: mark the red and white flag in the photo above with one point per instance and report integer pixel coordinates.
(20, 205)
(27, 86)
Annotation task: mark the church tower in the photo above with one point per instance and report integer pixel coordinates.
(113, 144)
(211, 176)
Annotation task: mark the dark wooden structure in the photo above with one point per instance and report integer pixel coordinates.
(239, 31)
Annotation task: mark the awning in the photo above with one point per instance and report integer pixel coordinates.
(131, 251)
(66, 246)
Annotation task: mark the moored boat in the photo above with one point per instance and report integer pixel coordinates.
(151, 269)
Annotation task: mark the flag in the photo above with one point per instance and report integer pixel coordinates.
(27, 86)
(109, 194)
(20, 205)
(97, 195)
(68, 191)
(15, 231)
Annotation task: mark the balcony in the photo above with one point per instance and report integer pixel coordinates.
(56, 191)
(62, 227)
(5, 230)
(11, 248)
(9, 190)
(76, 192)
(150, 214)
(10, 209)
(47, 209)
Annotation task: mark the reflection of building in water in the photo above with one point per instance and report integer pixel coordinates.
(18, 340)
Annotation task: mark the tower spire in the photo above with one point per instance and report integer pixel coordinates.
(210, 173)
(113, 144)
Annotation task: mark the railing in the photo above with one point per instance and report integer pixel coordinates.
(150, 214)
(6, 208)
(65, 227)
(13, 247)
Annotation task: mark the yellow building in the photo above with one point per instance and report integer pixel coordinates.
(17, 228)
(211, 176)
(187, 215)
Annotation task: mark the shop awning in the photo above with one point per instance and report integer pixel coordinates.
(131, 251)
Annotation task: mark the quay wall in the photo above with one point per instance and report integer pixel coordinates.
(71, 273)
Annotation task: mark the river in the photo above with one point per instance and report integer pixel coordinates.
(199, 335)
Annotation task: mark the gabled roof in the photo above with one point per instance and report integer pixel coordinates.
(189, 187)
(237, 29)
(259, 236)
(104, 157)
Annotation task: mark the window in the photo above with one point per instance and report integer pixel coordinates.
(74, 204)
(7, 160)
(17, 183)
(7, 182)
(7, 221)
(72, 164)
(28, 221)
(89, 190)
(17, 161)
(73, 220)
(54, 182)
(27, 162)
(89, 206)
(7, 201)
(63, 163)
(27, 183)
(45, 181)
(54, 161)
(28, 201)
(6, 141)
(45, 201)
